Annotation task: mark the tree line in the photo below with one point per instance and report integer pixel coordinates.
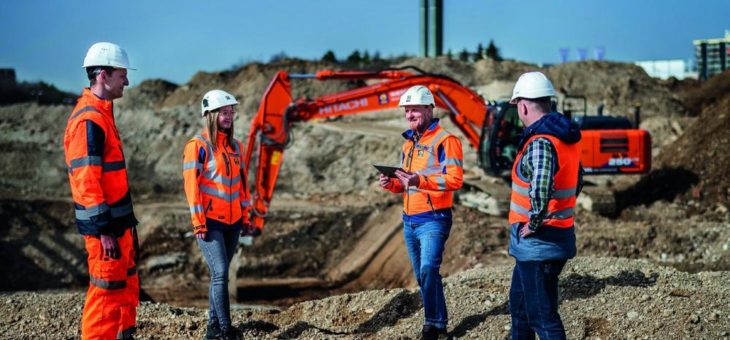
(365, 58)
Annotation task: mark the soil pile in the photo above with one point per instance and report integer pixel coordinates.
(696, 98)
(31, 141)
(697, 166)
(619, 86)
(249, 82)
(149, 94)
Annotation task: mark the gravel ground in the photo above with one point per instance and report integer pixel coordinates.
(602, 298)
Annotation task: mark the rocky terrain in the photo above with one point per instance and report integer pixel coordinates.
(602, 298)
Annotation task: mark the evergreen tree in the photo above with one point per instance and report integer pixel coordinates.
(377, 57)
(278, 57)
(493, 51)
(366, 57)
(464, 55)
(479, 55)
(329, 56)
(450, 54)
(354, 57)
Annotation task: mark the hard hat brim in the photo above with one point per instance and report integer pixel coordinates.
(126, 68)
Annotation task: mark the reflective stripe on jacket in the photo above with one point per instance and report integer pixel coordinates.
(440, 173)
(215, 183)
(96, 168)
(560, 210)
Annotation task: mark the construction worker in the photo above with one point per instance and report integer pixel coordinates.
(546, 179)
(97, 174)
(218, 196)
(432, 159)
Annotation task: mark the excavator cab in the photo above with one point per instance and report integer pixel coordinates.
(500, 138)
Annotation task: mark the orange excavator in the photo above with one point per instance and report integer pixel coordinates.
(609, 144)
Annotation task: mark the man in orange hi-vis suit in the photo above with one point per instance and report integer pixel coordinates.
(431, 163)
(104, 215)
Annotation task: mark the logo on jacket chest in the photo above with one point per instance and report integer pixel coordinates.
(422, 150)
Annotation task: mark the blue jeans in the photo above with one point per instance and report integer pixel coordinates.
(425, 243)
(218, 249)
(533, 300)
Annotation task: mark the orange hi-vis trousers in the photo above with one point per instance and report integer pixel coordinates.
(110, 311)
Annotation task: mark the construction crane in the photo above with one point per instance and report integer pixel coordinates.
(492, 129)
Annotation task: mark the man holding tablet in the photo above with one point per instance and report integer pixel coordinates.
(431, 169)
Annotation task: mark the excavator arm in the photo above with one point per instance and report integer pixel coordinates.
(270, 128)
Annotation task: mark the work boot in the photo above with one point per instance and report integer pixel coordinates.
(213, 332)
(231, 333)
(430, 332)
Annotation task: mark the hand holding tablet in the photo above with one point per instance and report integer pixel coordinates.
(387, 170)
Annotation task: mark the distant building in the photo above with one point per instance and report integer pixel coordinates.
(7, 78)
(712, 55)
(677, 68)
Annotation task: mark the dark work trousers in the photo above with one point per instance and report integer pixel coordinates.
(533, 300)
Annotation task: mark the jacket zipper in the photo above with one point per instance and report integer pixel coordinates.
(230, 182)
(408, 196)
(410, 164)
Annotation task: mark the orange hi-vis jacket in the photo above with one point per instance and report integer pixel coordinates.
(437, 158)
(96, 168)
(215, 183)
(560, 211)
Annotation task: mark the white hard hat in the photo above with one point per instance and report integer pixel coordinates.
(107, 54)
(417, 95)
(216, 99)
(532, 85)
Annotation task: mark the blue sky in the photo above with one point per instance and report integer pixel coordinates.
(47, 39)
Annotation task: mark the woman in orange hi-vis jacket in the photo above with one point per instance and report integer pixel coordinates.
(218, 196)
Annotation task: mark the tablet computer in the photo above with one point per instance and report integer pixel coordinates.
(387, 170)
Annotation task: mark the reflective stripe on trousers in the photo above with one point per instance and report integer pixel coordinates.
(88, 213)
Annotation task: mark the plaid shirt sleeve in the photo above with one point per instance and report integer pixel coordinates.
(539, 166)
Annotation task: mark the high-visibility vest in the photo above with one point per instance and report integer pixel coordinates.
(561, 207)
(97, 171)
(215, 183)
(438, 178)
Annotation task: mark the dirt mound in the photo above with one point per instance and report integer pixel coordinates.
(488, 70)
(697, 98)
(31, 141)
(601, 297)
(698, 166)
(702, 151)
(149, 94)
(619, 86)
(249, 82)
